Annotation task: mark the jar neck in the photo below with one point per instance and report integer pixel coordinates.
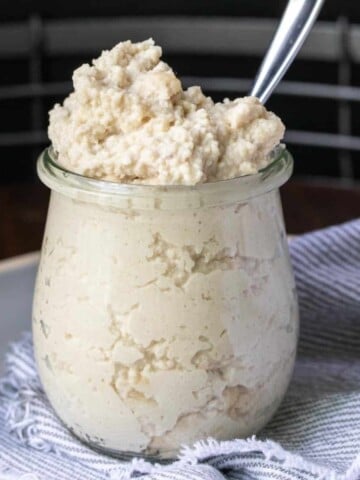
(223, 192)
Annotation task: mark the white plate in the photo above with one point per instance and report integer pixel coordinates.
(17, 277)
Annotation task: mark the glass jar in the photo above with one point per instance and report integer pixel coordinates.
(164, 314)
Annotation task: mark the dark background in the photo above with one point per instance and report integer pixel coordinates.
(298, 113)
(21, 9)
(323, 129)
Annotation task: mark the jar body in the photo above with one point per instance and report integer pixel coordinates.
(154, 328)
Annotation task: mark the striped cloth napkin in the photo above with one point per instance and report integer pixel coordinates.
(314, 435)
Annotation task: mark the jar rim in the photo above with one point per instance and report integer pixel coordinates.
(241, 188)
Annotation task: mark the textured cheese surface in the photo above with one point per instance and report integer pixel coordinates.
(129, 120)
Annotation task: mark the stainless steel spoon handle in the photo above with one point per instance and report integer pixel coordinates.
(294, 28)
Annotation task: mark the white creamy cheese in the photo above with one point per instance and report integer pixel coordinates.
(159, 325)
(156, 328)
(129, 120)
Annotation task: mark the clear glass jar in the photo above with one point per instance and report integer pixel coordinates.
(164, 315)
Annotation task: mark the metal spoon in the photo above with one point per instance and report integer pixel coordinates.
(295, 25)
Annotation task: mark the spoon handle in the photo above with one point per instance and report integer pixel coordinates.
(294, 27)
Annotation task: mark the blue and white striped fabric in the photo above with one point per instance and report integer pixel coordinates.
(315, 434)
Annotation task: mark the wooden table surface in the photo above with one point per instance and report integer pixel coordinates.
(307, 206)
